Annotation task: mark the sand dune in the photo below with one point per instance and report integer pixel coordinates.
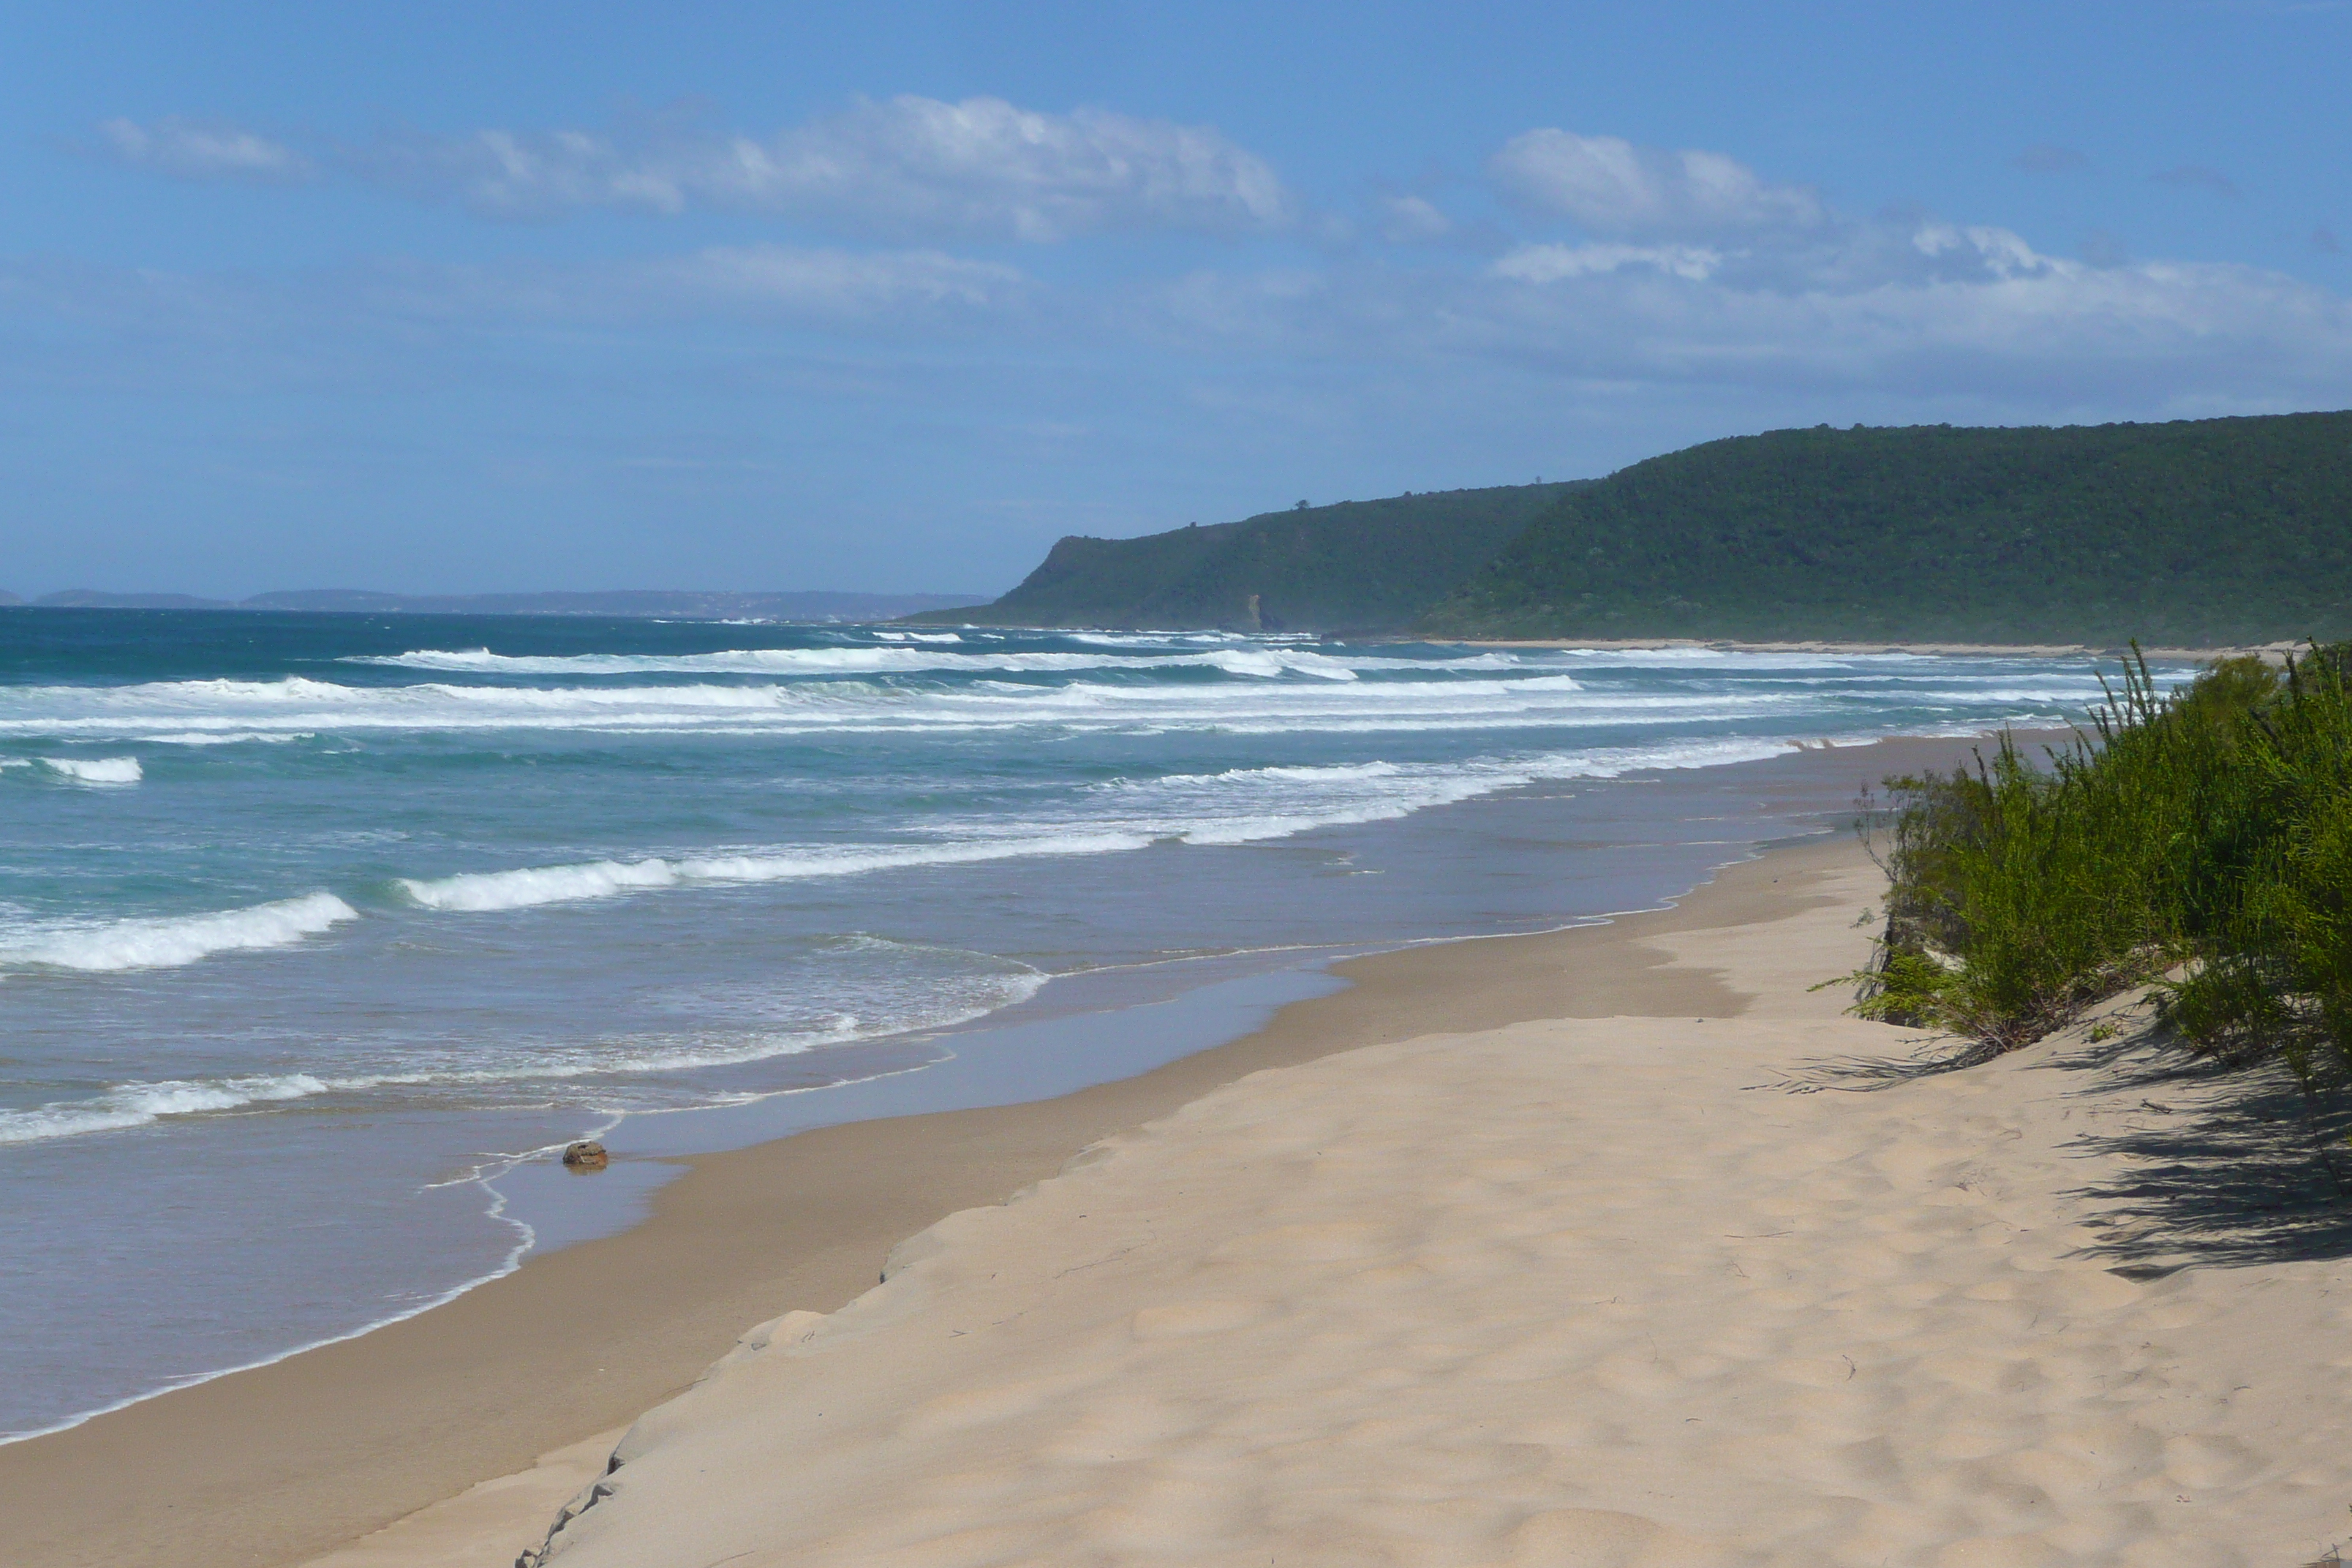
(1628, 1291)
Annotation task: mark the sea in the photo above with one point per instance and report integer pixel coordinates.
(321, 934)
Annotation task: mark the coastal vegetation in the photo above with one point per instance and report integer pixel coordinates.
(2198, 841)
(1354, 566)
(2205, 533)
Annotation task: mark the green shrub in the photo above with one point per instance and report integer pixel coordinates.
(2270, 915)
(2207, 831)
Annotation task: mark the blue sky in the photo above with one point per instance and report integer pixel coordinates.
(496, 296)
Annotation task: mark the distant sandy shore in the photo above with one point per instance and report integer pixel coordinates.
(2274, 650)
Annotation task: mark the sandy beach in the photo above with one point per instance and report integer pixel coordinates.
(1566, 1248)
(1631, 1290)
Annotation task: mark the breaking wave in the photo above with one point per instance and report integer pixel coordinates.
(1258, 662)
(1239, 805)
(939, 1002)
(102, 771)
(485, 890)
(166, 941)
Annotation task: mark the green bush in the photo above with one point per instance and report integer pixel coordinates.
(2206, 833)
(2269, 916)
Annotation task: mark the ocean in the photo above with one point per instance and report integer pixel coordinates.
(320, 934)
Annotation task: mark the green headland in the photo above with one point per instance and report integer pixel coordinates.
(2197, 533)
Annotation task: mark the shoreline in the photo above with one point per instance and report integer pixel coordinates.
(533, 1198)
(1632, 1290)
(280, 1463)
(580, 1339)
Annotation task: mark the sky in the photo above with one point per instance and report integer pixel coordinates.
(498, 297)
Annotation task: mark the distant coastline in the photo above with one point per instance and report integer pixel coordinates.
(2270, 650)
(2192, 535)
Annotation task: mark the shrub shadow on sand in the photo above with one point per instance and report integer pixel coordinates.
(2216, 1164)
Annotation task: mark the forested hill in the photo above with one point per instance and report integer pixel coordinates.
(2199, 533)
(1360, 566)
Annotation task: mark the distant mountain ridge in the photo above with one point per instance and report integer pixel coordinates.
(2206, 532)
(683, 605)
(1354, 566)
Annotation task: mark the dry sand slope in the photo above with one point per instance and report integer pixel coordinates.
(1592, 1292)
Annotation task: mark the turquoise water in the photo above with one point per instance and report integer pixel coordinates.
(313, 927)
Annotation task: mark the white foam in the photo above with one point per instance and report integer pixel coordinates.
(162, 943)
(1269, 689)
(479, 892)
(138, 1104)
(101, 770)
(230, 738)
(1351, 795)
(944, 1002)
(1239, 805)
(1179, 639)
(1262, 661)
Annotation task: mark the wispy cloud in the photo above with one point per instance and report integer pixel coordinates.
(1406, 219)
(1702, 276)
(2101, 248)
(2198, 177)
(1692, 276)
(903, 168)
(1980, 317)
(205, 150)
(1551, 263)
(1613, 187)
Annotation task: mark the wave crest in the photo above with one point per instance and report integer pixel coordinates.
(481, 892)
(167, 941)
(1259, 661)
(101, 770)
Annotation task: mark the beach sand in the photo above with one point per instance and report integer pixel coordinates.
(1544, 1268)
(1636, 1290)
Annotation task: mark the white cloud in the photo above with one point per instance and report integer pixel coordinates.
(1888, 311)
(1550, 263)
(1611, 186)
(205, 150)
(1407, 220)
(904, 167)
(1923, 312)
